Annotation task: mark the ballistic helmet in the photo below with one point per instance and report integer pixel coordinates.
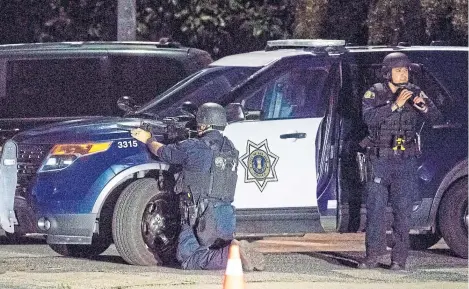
(393, 60)
(211, 114)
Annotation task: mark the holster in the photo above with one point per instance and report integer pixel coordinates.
(201, 207)
(363, 168)
(192, 214)
(188, 209)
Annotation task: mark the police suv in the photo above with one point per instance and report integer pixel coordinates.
(294, 114)
(42, 83)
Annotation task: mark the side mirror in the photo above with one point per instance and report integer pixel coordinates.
(127, 104)
(253, 115)
(234, 112)
(189, 108)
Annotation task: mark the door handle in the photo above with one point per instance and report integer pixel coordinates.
(293, 135)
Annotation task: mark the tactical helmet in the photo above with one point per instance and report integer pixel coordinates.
(393, 60)
(211, 114)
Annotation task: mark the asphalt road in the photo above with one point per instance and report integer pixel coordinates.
(312, 261)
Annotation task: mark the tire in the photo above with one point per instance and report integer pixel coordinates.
(146, 224)
(79, 251)
(452, 218)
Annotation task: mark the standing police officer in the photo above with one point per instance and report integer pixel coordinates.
(394, 112)
(206, 186)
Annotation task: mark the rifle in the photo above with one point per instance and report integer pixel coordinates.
(173, 129)
(170, 129)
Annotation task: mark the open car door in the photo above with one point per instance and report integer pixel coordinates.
(285, 110)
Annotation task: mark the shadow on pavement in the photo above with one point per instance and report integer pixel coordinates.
(442, 252)
(119, 260)
(16, 240)
(335, 258)
(109, 259)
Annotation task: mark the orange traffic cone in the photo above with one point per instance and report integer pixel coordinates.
(234, 278)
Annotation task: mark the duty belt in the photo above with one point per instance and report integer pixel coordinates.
(383, 152)
(391, 152)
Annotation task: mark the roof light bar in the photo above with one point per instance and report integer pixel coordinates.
(306, 43)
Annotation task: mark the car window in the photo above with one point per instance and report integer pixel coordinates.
(295, 93)
(143, 77)
(450, 68)
(54, 87)
(209, 85)
(433, 89)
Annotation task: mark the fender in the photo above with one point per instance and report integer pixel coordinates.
(122, 177)
(458, 171)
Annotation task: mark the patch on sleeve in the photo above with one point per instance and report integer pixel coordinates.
(369, 94)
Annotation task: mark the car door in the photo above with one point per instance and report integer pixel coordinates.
(277, 172)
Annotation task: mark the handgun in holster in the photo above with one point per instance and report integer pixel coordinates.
(362, 166)
(368, 148)
(419, 144)
(188, 209)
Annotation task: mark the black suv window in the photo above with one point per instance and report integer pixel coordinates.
(53, 87)
(433, 89)
(143, 78)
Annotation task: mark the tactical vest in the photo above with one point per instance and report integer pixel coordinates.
(400, 128)
(220, 182)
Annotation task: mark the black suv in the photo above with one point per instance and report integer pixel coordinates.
(46, 82)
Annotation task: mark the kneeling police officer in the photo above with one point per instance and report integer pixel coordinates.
(394, 112)
(206, 187)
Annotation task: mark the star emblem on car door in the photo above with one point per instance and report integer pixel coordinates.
(259, 164)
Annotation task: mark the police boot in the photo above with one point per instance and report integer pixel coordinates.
(368, 263)
(251, 259)
(395, 266)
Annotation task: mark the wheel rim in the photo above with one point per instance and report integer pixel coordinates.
(159, 225)
(465, 216)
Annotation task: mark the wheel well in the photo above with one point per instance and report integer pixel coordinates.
(104, 217)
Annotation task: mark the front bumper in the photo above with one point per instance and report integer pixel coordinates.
(69, 228)
(8, 181)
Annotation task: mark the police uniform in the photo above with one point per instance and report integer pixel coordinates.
(392, 147)
(209, 176)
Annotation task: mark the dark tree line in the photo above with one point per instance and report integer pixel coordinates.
(384, 21)
(232, 26)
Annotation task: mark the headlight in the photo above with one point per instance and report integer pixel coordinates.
(63, 155)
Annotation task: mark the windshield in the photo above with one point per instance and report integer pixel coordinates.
(207, 85)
